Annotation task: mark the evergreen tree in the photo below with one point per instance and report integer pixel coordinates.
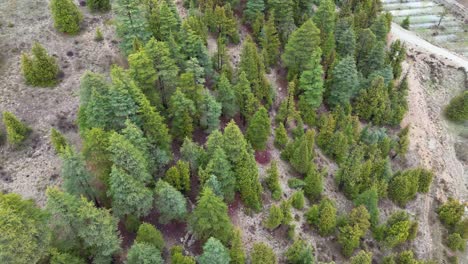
(311, 83)
(457, 109)
(283, 11)
(398, 102)
(300, 47)
(262, 253)
(168, 22)
(253, 9)
(182, 110)
(192, 153)
(302, 154)
(144, 253)
(300, 253)
(375, 60)
(177, 256)
(297, 200)
(237, 253)
(247, 181)
(210, 218)
(313, 183)
(220, 167)
(380, 27)
(179, 176)
(324, 18)
(396, 56)
(365, 42)
(404, 186)
(40, 69)
(281, 136)
(272, 181)
(214, 252)
(451, 212)
(345, 37)
(405, 23)
(373, 103)
(59, 142)
(234, 143)
(270, 42)
(96, 153)
(246, 100)
(131, 24)
(344, 82)
(24, 232)
(77, 180)
(215, 140)
(141, 70)
(370, 200)
(88, 228)
(16, 130)
(226, 96)
(67, 17)
(210, 112)
(259, 128)
(396, 230)
(170, 203)
(64, 258)
(99, 5)
(323, 216)
(456, 242)
(363, 257)
(148, 234)
(275, 218)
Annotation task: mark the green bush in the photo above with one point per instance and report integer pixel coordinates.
(457, 110)
(275, 217)
(405, 23)
(300, 253)
(323, 216)
(295, 183)
(451, 212)
(40, 69)
(67, 17)
(16, 131)
(297, 200)
(98, 36)
(99, 5)
(147, 233)
(456, 242)
(262, 254)
(59, 142)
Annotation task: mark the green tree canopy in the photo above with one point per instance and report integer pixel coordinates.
(214, 252)
(40, 69)
(67, 17)
(170, 203)
(258, 129)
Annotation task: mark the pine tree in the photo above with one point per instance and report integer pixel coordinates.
(215, 140)
(214, 252)
(272, 181)
(262, 253)
(301, 157)
(311, 83)
(237, 253)
(275, 218)
(210, 218)
(226, 96)
(365, 42)
(234, 143)
(168, 23)
(324, 19)
(179, 176)
(283, 11)
(252, 9)
(210, 112)
(220, 167)
(373, 103)
(247, 181)
(363, 257)
(344, 82)
(300, 252)
(300, 47)
(270, 42)
(96, 153)
(144, 253)
(40, 69)
(59, 142)
(67, 17)
(457, 109)
(380, 27)
(177, 256)
(182, 110)
(170, 203)
(396, 56)
(77, 180)
(258, 129)
(16, 130)
(192, 153)
(246, 100)
(398, 102)
(141, 70)
(24, 231)
(451, 212)
(375, 60)
(148, 234)
(99, 5)
(403, 141)
(313, 183)
(370, 200)
(281, 136)
(297, 200)
(131, 24)
(345, 37)
(57, 257)
(87, 227)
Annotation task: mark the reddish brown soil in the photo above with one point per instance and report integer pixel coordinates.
(263, 156)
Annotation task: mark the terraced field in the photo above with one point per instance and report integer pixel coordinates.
(431, 21)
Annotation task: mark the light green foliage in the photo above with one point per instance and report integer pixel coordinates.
(99, 5)
(23, 230)
(94, 105)
(456, 242)
(67, 17)
(275, 218)
(404, 186)
(131, 24)
(450, 213)
(272, 181)
(403, 141)
(396, 56)
(300, 253)
(234, 143)
(457, 110)
(300, 47)
(177, 256)
(210, 112)
(363, 257)
(64, 258)
(210, 218)
(78, 222)
(370, 200)
(221, 20)
(141, 70)
(59, 142)
(179, 176)
(40, 69)
(287, 111)
(313, 181)
(355, 228)
(303, 152)
(297, 200)
(295, 183)
(425, 180)
(323, 216)
(148, 234)
(226, 96)
(373, 104)
(462, 228)
(344, 83)
(220, 167)
(246, 100)
(237, 253)
(142, 253)
(287, 215)
(262, 254)
(182, 110)
(270, 42)
(77, 180)
(311, 84)
(96, 152)
(16, 130)
(259, 128)
(398, 101)
(281, 136)
(170, 203)
(192, 153)
(397, 229)
(247, 181)
(214, 252)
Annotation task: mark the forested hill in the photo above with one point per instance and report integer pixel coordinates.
(233, 132)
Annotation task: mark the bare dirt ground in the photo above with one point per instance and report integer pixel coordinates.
(28, 170)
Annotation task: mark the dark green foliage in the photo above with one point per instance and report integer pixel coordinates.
(275, 218)
(281, 136)
(24, 231)
(370, 200)
(182, 110)
(220, 168)
(355, 228)
(345, 37)
(311, 84)
(363, 257)
(324, 18)
(226, 96)
(300, 47)
(79, 224)
(396, 230)
(77, 180)
(59, 142)
(456, 242)
(270, 42)
(96, 152)
(144, 253)
(148, 234)
(303, 152)
(67, 17)
(253, 9)
(192, 153)
(462, 228)
(365, 42)
(450, 213)
(425, 180)
(396, 56)
(247, 181)
(179, 176)
(177, 256)
(221, 20)
(344, 83)
(131, 24)
(405, 23)
(380, 27)
(214, 253)
(373, 103)
(404, 185)
(99, 5)
(313, 187)
(210, 217)
(323, 216)
(237, 253)
(141, 70)
(259, 128)
(16, 130)
(40, 69)
(300, 253)
(284, 17)
(170, 203)
(297, 200)
(262, 253)
(457, 109)
(398, 101)
(272, 181)
(403, 141)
